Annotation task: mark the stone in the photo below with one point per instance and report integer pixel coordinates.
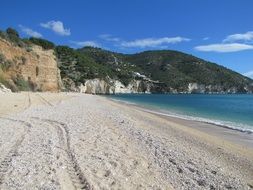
(3, 89)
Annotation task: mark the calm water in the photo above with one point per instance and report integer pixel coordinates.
(234, 111)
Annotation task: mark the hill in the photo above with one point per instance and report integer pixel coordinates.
(173, 71)
(95, 70)
(177, 70)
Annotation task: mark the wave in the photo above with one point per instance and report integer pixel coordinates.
(225, 124)
(123, 101)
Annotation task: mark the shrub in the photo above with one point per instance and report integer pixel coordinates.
(45, 44)
(22, 84)
(3, 35)
(14, 37)
(12, 32)
(2, 79)
(4, 64)
(2, 58)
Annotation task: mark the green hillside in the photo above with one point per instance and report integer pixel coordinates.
(177, 69)
(173, 69)
(168, 70)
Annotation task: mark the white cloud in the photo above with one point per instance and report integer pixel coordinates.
(57, 27)
(30, 32)
(246, 37)
(249, 74)
(85, 43)
(108, 37)
(223, 48)
(153, 42)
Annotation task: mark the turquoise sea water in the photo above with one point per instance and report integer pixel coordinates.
(233, 111)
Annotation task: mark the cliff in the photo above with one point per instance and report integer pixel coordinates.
(210, 89)
(33, 66)
(101, 86)
(109, 86)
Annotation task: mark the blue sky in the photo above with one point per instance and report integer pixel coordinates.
(216, 30)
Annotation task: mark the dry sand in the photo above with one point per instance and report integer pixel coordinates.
(17, 102)
(75, 141)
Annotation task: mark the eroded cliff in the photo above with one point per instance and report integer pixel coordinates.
(34, 65)
(109, 86)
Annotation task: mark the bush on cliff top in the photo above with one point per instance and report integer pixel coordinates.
(12, 32)
(45, 44)
(12, 36)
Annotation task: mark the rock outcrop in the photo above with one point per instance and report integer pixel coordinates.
(196, 88)
(211, 89)
(3, 89)
(135, 86)
(97, 86)
(34, 65)
(109, 86)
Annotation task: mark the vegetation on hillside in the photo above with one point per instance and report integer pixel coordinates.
(170, 69)
(45, 44)
(79, 67)
(90, 63)
(119, 69)
(173, 69)
(12, 36)
(177, 69)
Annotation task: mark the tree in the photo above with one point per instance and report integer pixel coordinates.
(12, 32)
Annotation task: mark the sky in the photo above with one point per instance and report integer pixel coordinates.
(219, 31)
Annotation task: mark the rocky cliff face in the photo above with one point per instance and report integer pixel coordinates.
(100, 86)
(201, 88)
(36, 66)
(135, 86)
(97, 86)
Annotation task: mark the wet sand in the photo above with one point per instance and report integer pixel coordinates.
(234, 136)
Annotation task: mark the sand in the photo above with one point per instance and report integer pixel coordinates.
(77, 141)
(17, 102)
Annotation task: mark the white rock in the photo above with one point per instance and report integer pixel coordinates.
(3, 89)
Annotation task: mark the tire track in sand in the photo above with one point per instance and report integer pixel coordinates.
(29, 101)
(75, 173)
(6, 162)
(44, 100)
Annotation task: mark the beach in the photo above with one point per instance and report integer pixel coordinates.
(80, 141)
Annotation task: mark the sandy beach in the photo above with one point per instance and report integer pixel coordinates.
(78, 141)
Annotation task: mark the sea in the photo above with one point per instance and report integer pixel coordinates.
(230, 111)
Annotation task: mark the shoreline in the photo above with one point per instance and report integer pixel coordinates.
(228, 146)
(112, 146)
(234, 135)
(186, 117)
